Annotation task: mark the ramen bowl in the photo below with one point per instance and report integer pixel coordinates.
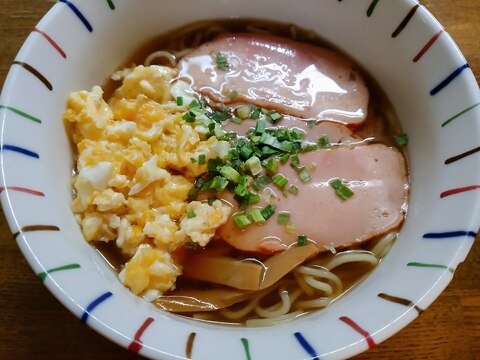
(79, 44)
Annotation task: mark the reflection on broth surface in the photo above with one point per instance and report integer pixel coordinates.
(247, 173)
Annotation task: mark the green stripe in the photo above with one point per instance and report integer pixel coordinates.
(439, 266)
(43, 275)
(21, 113)
(460, 114)
(247, 350)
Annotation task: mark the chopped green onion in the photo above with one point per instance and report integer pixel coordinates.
(256, 216)
(274, 116)
(324, 142)
(218, 183)
(261, 181)
(272, 164)
(189, 117)
(302, 240)
(401, 139)
(201, 159)
(218, 131)
(280, 180)
(233, 95)
(342, 191)
(283, 217)
(240, 190)
(337, 183)
(252, 198)
(294, 160)
(309, 147)
(255, 114)
(284, 158)
(287, 146)
(191, 214)
(194, 104)
(211, 199)
(268, 211)
(230, 173)
(193, 160)
(222, 62)
(241, 220)
(179, 100)
(219, 116)
(292, 189)
(224, 108)
(243, 112)
(236, 120)
(260, 126)
(304, 174)
(270, 140)
(213, 164)
(254, 165)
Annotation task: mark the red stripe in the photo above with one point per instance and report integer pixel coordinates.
(427, 46)
(22, 189)
(459, 190)
(52, 42)
(365, 334)
(136, 344)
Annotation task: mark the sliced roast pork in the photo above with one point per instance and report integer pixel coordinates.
(291, 77)
(375, 173)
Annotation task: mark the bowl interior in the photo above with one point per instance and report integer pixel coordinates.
(97, 36)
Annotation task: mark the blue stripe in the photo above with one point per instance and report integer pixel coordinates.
(306, 345)
(94, 304)
(449, 234)
(449, 78)
(77, 12)
(19, 150)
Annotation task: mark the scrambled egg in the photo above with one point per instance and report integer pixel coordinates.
(134, 173)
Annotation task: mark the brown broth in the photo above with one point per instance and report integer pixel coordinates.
(381, 126)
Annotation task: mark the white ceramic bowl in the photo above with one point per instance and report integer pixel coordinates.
(79, 43)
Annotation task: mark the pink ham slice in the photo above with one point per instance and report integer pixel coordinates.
(377, 175)
(277, 73)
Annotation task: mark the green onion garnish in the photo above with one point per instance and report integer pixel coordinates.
(274, 116)
(255, 113)
(222, 61)
(218, 183)
(256, 216)
(304, 174)
(211, 199)
(272, 164)
(401, 139)
(254, 165)
(280, 180)
(294, 161)
(179, 100)
(292, 189)
(193, 160)
(309, 147)
(324, 142)
(284, 158)
(243, 112)
(241, 220)
(260, 127)
(268, 211)
(283, 217)
(230, 173)
(233, 95)
(302, 240)
(342, 191)
(189, 117)
(260, 182)
(252, 198)
(194, 104)
(191, 214)
(236, 120)
(201, 159)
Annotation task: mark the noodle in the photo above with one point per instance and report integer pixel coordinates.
(162, 55)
